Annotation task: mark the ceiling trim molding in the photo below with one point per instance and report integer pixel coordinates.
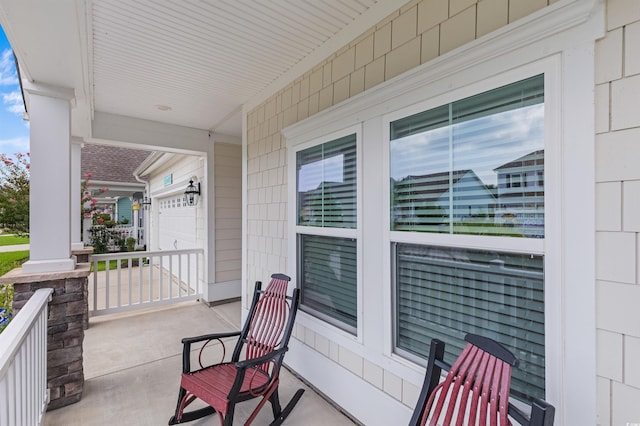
(48, 90)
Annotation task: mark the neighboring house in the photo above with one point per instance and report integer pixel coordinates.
(441, 199)
(521, 193)
(481, 82)
(113, 183)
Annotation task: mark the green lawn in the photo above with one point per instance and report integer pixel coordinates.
(12, 240)
(12, 259)
(9, 261)
(102, 266)
(113, 264)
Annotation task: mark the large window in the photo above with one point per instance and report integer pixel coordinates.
(326, 182)
(471, 169)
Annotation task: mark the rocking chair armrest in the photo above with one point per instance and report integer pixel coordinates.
(542, 413)
(254, 362)
(196, 339)
(188, 341)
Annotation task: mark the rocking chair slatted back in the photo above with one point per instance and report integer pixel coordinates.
(475, 390)
(263, 339)
(479, 380)
(268, 323)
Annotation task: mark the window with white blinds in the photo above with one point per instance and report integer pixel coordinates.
(474, 166)
(328, 273)
(445, 293)
(326, 197)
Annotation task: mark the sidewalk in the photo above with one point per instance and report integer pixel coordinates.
(19, 247)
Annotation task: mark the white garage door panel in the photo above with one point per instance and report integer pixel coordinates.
(177, 231)
(177, 224)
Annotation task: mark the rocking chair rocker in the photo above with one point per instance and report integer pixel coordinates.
(475, 390)
(264, 337)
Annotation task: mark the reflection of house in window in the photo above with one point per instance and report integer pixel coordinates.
(521, 193)
(436, 199)
(330, 204)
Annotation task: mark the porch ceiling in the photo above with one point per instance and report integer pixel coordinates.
(203, 59)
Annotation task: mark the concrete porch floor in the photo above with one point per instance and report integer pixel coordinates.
(132, 365)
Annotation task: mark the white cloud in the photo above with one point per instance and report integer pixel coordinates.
(15, 145)
(481, 144)
(8, 75)
(13, 101)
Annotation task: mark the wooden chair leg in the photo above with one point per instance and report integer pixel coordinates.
(174, 420)
(182, 417)
(275, 404)
(228, 419)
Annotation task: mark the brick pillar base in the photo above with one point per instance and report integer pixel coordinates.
(68, 313)
(82, 255)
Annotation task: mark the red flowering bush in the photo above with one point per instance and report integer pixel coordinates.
(88, 198)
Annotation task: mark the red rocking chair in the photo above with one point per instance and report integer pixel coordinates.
(264, 338)
(475, 390)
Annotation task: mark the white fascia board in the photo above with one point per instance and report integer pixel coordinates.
(223, 138)
(148, 164)
(130, 132)
(117, 186)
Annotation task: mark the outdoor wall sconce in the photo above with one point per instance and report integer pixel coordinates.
(192, 193)
(146, 203)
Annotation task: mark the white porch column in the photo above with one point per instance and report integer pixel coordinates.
(76, 180)
(50, 200)
(209, 293)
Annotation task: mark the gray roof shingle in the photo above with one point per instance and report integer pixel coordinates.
(110, 163)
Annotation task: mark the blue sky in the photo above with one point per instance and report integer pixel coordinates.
(14, 132)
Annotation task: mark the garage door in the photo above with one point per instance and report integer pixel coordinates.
(177, 231)
(177, 224)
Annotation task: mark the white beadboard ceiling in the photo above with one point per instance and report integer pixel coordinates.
(190, 62)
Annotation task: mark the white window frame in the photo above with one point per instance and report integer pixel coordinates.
(294, 146)
(552, 136)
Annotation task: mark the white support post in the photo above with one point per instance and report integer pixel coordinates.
(50, 199)
(208, 208)
(76, 179)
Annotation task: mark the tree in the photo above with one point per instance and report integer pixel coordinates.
(88, 199)
(14, 192)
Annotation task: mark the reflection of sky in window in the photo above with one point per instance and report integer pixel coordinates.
(481, 145)
(311, 175)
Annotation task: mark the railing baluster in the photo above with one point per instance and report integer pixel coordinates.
(130, 270)
(119, 282)
(170, 278)
(189, 274)
(180, 275)
(150, 283)
(95, 285)
(161, 277)
(107, 269)
(140, 267)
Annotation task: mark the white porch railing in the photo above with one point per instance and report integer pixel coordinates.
(23, 364)
(136, 280)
